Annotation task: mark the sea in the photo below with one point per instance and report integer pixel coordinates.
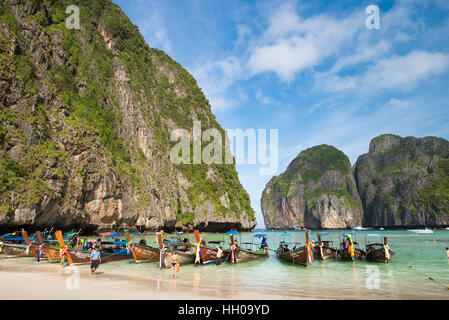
(418, 270)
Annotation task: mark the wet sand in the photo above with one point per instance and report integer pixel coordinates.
(52, 281)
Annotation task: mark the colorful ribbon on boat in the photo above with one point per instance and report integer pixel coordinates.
(39, 252)
(387, 252)
(161, 257)
(351, 247)
(62, 253)
(1, 246)
(309, 252)
(27, 250)
(129, 247)
(198, 253)
(232, 254)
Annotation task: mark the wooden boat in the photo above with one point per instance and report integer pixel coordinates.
(299, 255)
(324, 249)
(16, 250)
(36, 250)
(242, 254)
(78, 257)
(52, 252)
(167, 249)
(344, 253)
(379, 252)
(208, 254)
(141, 252)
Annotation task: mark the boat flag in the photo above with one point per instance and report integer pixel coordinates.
(198, 251)
(387, 252)
(161, 257)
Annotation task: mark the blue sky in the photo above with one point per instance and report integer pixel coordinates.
(310, 69)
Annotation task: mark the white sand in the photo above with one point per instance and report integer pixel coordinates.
(52, 281)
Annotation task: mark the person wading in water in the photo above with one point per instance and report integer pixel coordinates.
(218, 257)
(95, 260)
(174, 265)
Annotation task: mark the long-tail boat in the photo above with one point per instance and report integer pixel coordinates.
(14, 246)
(142, 252)
(206, 254)
(168, 248)
(349, 249)
(245, 254)
(324, 249)
(379, 252)
(299, 255)
(52, 252)
(107, 254)
(35, 249)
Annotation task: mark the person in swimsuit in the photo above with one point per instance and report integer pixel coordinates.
(174, 264)
(218, 257)
(447, 253)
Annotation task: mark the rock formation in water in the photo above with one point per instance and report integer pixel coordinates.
(404, 181)
(316, 191)
(85, 121)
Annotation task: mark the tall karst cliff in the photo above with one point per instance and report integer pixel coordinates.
(404, 181)
(316, 191)
(401, 182)
(85, 121)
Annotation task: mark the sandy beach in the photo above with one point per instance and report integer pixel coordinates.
(52, 281)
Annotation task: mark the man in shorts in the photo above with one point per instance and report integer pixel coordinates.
(219, 255)
(95, 260)
(174, 264)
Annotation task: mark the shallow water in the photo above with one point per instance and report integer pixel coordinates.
(405, 277)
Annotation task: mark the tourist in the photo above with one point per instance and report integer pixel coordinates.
(95, 260)
(174, 264)
(447, 253)
(219, 255)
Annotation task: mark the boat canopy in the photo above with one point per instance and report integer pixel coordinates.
(347, 234)
(69, 234)
(179, 233)
(232, 232)
(117, 234)
(285, 234)
(324, 234)
(260, 235)
(373, 235)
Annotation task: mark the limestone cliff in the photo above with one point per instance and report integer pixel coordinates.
(85, 122)
(316, 191)
(404, 181)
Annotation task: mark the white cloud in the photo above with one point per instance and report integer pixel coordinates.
(401, 73)
(292, 44)
(215, 78)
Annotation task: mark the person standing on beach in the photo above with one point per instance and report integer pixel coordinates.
(95, 260)
(174, 265)
(218, 257)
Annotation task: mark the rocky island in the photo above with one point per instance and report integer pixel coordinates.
(400, 182)
(85, 122)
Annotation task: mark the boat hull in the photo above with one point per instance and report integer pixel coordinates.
(52, 253)
(145, 254)
(343, 254)
(297, 256)
(243, 255)
(15, 251)
(183, 257)
(377, 255)
(323, 252)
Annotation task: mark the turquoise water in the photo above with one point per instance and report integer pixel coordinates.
(405, 277)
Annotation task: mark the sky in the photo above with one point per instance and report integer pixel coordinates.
(313, 70)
